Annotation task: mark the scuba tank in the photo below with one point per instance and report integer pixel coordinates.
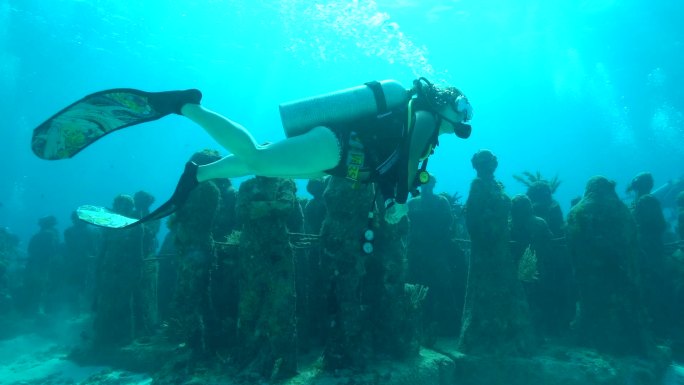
(370, 99)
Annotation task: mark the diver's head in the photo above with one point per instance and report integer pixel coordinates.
(452, 107)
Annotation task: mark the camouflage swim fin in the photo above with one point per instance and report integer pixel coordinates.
(80, 124)
(102, 217)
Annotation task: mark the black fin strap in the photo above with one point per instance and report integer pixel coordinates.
(186, 184)
(162, 211)
(379, 95)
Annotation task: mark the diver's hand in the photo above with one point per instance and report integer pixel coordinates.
(395, 211)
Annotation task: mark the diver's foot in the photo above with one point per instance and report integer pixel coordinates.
(187, 183)
(171, 102)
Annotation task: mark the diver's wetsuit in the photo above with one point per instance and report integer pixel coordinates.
(382, 143)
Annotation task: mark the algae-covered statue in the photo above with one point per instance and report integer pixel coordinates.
(540, 191)
(602, 237)
(495, 315)
(435, 261)
(43, 249)
(653, 270)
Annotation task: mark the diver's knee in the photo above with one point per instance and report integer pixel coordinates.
(257, 162)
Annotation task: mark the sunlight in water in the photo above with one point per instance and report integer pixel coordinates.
(657, 78)
(337, 29)
(667, 122)
(667, 126)
(616, 116)
(570, 75)
(8, 62)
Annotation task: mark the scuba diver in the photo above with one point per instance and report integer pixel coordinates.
(379, 133)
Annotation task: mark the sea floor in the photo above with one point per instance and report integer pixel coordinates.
(33, 358)
(675, 375)
(37, 355)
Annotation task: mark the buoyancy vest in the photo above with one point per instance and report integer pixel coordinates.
(379, 145)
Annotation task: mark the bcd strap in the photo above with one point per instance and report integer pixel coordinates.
(402, 188)
(420, 175)
(379, 95)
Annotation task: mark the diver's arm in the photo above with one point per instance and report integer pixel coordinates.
(421, 135)
(423, 131)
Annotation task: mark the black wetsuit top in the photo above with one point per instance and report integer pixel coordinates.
(382, 140)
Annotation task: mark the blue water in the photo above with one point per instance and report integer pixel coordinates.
(567, 87)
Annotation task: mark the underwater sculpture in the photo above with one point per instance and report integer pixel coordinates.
(266, 327)
(652, 262)
(9, 256)
(540, 191)
(120, 314)
(203, 313)
(602, 238)
(436, 262)
(371, 310)
(530, 241)
(43, 249)
(81, 247)
(314, 211)
(495, 315)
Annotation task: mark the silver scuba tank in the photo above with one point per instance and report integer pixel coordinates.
(302, 115)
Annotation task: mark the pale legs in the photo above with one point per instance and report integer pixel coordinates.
(303, 156)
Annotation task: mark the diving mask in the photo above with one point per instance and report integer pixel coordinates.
(463, 106)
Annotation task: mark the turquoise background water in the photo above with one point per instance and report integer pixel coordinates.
(573, 88)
